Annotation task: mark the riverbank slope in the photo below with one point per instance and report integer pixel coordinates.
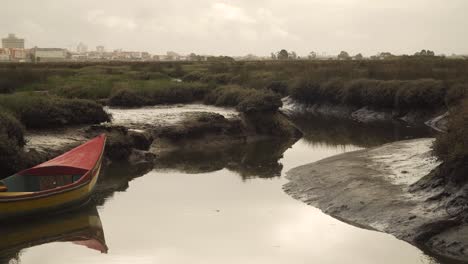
(375, 189)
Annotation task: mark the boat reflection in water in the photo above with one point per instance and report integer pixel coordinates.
(81, 227)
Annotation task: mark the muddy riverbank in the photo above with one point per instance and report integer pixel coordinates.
(230, 199)
(375, 189)
(434, 118)
(137, 135)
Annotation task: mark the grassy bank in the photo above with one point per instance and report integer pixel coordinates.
(58, 94)
(395, 94)
(11, 143)
(452, 147)
(45, 111)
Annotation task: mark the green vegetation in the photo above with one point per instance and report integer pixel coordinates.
(59, 94)
(11, 142)
(453, 145)
(44, 111)
(422, 93)
(161, 93)
(244, 99)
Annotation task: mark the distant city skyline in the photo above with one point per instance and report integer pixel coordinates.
(237, 28)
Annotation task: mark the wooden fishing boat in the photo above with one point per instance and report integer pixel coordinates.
(60, 183)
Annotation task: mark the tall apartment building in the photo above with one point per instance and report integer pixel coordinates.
(12, 42)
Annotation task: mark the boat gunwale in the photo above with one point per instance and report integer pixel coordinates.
(83, 181)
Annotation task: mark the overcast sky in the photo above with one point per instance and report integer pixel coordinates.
(240, 27)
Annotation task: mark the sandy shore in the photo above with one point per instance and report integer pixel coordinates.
(371, 189)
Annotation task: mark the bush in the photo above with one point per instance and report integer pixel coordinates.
(175, 93)
(11, 143)
(456, 94)
(127, 98)
(331, 91)
(384, 94)
(12, 128)
(354, 92)
(244, 99)
(306, 90)
(279, 87)
(42, 111)
(13, 78)
(193, 76)
(228, 95)
(160, 93)
(260, 102)
(424, 93)
(453, 145)
(10, 155)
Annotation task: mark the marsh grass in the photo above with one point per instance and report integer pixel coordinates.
(398, 95)
(45, 111)
(453, 145)
(51, 94)
(11, 143)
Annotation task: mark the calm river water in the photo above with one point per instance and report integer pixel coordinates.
(216, 206)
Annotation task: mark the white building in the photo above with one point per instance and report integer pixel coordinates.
(49, 54)
(4, 55)
(19, 55)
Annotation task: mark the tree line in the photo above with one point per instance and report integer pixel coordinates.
(344, 55)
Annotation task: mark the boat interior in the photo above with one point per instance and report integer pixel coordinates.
(36, 183)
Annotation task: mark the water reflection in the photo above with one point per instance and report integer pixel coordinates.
(259, 159)
(81, 228)
(114, 177)
(262, 159)
(340, 132)
(218, 216)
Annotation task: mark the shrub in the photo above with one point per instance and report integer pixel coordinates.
(12, 128)
(127, 98)
(228, 95)
(456, 93)
(11, 143)
(280, 87)
(354, 92)
(384, 94)
(178, 93)
(306, 90)
(14, 77)
(424, 93)
(193, 76)
(10, 155)
(260, 102)
(42, 111)
(331, 91)
(453, 145)
(160, 93)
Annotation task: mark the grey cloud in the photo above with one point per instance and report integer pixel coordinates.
(239, 27)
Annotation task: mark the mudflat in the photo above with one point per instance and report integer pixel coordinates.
(371, 188)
